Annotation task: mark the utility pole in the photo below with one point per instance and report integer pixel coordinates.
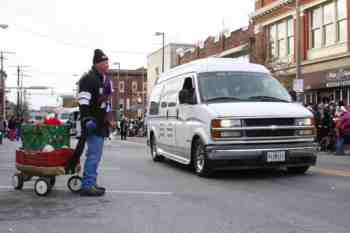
(297, 48)
(19, 88)
(2, 79)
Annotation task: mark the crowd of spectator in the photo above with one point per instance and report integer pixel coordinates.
(332, 121)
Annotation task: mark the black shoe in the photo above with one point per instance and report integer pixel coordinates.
(100, 188)
(91, 192)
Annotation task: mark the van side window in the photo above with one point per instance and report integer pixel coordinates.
(169, 95)
(155, 101)
(188, 90)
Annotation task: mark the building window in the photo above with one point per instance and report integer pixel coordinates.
(121, 86)
(281, 39)
(329, 24)
(134, 86)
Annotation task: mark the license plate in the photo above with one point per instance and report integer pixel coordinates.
(276, 156)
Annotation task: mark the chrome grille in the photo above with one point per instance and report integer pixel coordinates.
(270, 133)
(269, 122)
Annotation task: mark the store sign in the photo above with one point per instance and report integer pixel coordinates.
(333, 84)
(338, 79)
(340, 75)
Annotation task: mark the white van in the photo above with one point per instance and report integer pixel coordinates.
(217, 113)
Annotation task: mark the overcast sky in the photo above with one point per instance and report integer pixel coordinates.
(56, 38)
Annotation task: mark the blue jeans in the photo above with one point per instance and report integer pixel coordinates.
(339, 146)
(93, 157)
(18, 134)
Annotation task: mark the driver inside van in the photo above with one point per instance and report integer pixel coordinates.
(187, 91)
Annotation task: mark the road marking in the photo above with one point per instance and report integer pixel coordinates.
(7, 188)
(135, 143)
(109, 168)
(331, 172)
(139, 192)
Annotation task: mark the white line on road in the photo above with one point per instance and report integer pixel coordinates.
(130, 142)
(139, 192)
(7, 188)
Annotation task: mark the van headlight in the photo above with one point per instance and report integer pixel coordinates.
(307, 132)
(226, 123)
(304, 122)
(218, 127)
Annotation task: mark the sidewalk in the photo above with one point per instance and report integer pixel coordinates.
(326, 160)
(141, 140)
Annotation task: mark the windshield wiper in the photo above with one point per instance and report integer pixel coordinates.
(267, 98)
(224, 98)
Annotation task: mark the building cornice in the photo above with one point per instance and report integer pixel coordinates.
(270, 8)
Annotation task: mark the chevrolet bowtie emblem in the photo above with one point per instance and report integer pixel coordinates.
(273, 127)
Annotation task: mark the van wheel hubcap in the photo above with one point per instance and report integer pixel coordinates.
(200, 159)
(154, 149)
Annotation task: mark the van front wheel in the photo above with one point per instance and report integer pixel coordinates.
(200, 160)
(155, 156)
(297, 170)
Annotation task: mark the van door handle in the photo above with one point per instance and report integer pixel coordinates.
(167, 114)
(177, 114)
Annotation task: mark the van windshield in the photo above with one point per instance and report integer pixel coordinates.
(240, 86)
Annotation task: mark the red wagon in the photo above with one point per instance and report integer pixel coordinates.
(46, 166)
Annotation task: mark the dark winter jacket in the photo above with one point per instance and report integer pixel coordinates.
(92, 101)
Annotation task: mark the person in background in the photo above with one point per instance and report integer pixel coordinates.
(123, 128)
(346, 126)
(12, 128)
(339, 147)
(19, 122)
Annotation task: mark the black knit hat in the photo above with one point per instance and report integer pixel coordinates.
(99, 56)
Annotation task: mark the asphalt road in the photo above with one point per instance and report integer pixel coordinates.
(166, 197)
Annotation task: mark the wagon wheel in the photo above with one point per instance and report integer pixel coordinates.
(74, 184)
(42, 187)
(17, 181)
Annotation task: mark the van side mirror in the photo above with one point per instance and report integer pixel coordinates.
(187, 96)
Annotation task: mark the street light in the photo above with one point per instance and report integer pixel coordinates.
(163, 45)
(117, 100)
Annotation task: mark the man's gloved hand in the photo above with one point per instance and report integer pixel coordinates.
(90, 124)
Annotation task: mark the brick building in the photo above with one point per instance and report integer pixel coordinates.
(236, 44)
(324, 34)
(130, 92)
(69, 101)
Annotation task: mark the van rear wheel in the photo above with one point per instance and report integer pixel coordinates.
(154, 154)
(200, 160)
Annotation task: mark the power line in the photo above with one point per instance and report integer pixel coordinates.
(75, 44)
